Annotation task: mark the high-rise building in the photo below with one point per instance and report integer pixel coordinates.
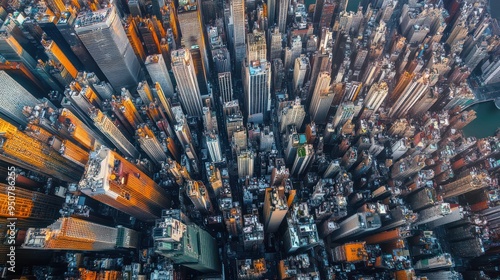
(222, 60)
(22, 150)
(275, 208)
(32, 208)
(198, 194)
(150, 143)
(225, 86)
(256, 46)
(375, 97)
(469, 181)
(103, 35)
(184, 136)
(157, 70)
(245, 163)
(275, 43)
(70, 233)
(187, 85)
(213, 145)
(491, 73)
(305, 155)
(321, 99)
(191, 27)
(344, 112)
(60, 29)
(238, 17)
(113, 133)
(294, 114)
(13, 98)
(111, 179)
(59, 58)
(300, 72)
(282, 14)
(185, 244)
(293, 51)
(257, 86)
(417, 88)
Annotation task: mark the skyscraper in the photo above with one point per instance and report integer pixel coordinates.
(22, 150)
(76, 234)
(191, 27)
(305, 154)
(294, 114)
(103, 35)
(157, 70)
(282, 15)
(111, 179)
(300, 71)
(225, 86)
(344, 112)
(257, 86)
(375, 97)
(213, 145)
(245, 164)
(321, 99)
(256, 46)
(113, 133)
(187, 85)
(184, 136)
(13, 97)
(185, 244)
(417, 88)
(238, 41)
(150, 143)
(197, 192)
(275, 208)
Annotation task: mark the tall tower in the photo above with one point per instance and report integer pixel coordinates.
(275, 208)
(282, 14)
(238, 40)
(197, 192)
(111, 179)
(321, 99)
(375, 97)
(245, 164)
(213, 145)
(187, 85)
(410, 95)
(300, 72)
(256, 46)
(292, 114)
(113, 133)
(187, 245)
(32, 208)
(344, 112)
(75, 234)
(103, 35)
(305, 154)
(189, 17)
(13, 97)
(275, 43)
(157, 70)
(150, 144)
(183, 133)
(20, 149)
(225, 86)
(257, 86)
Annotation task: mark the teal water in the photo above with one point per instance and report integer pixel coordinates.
(487, 121)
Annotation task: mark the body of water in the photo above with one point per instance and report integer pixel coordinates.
(487, 121)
